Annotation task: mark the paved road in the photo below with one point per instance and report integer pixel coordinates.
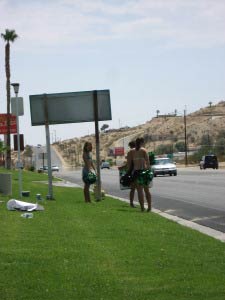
(40, 157)
(193, 195)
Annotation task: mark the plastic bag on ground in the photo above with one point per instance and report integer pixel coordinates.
(14, 204)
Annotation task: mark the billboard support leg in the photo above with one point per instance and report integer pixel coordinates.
(95, 98)
(50, 188)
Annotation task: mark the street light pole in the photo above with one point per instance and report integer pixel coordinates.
(19, 165)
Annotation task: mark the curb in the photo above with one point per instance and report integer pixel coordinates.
(203, 229)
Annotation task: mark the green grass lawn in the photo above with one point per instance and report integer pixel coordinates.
(103, 250)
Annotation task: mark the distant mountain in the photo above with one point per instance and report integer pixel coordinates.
(162, 129)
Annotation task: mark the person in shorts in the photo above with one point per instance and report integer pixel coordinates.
(88, 167)
(132, 186)
(138, 161)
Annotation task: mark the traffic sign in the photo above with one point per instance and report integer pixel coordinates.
(3, 123)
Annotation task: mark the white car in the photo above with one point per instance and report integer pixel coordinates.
(55, 168)
(45, 168)
(164, 166)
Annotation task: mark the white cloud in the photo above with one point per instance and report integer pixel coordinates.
(67, 22)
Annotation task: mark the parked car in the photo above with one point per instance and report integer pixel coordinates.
(164, 166)
(55, 168)
(209, 161)
(45, 168)
(105, 165)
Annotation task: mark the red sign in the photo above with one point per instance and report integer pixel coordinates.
(3, 123)
(119, 151)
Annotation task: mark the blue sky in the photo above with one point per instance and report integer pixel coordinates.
(151, 54)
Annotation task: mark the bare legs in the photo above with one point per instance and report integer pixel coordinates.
(140, 196)
(141, 189)
(132, 191)
(148, 197)
(87, 197)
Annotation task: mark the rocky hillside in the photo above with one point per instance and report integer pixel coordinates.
(163, 129)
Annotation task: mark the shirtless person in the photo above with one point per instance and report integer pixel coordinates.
(139, 161)
(132, 186)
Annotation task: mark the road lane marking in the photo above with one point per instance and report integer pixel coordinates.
(205, 218)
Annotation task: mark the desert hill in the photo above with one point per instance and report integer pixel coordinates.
(162, 129)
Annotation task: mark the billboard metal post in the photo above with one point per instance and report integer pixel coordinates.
(95, 99)
(50, 189)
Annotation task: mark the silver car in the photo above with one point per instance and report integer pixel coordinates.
(164, 166)
(105, 165)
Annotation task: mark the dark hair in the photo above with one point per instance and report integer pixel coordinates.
(86, 144)
(139, 142)
(132, 144)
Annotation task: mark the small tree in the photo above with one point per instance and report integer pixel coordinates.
(164, 149)
(2, 150)
(220, 146)
(221, 134)
(206, 144)
(28, 153)
(180, 146)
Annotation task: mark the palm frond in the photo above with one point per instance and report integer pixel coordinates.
(9, 35)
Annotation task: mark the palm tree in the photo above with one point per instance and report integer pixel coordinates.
(2, 150)
(8, 36)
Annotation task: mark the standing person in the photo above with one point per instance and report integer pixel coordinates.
(88, 166)
(140, 161)
(132, 186)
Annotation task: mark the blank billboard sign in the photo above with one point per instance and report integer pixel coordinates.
(73, 107)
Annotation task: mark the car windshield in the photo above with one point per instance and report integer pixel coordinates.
(163, 161)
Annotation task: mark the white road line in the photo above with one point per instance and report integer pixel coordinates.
(205, 218)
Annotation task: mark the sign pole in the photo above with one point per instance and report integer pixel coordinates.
(95, 98)
(50, 188)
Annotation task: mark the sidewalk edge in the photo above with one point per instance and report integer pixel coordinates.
(203, 229)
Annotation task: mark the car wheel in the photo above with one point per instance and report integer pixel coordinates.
(155, 175)
(170, 174)
(175, 174)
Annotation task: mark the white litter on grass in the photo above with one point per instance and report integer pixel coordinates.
(14, 204)
(27, 215)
